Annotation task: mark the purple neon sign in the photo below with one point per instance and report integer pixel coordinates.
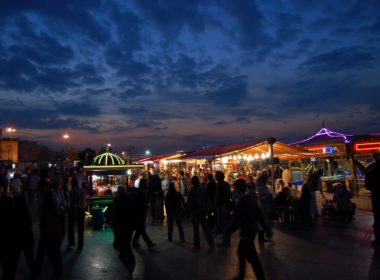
(325, 131)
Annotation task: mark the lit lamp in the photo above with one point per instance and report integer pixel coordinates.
(271, 141)
(65, 137)
(11, 131)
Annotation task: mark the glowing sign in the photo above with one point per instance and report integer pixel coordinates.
(328, 150)
(367, 147)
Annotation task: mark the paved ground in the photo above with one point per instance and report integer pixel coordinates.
(321, 251)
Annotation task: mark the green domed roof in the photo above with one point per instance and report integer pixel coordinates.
(109, 159)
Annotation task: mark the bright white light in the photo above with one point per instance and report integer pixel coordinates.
(147, 152)
(257, 156)
(65, 136)
(11, 129)
(129, 172)
(109, 145)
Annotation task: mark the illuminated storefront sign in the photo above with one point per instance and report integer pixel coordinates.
(327, 150)
(367, 147)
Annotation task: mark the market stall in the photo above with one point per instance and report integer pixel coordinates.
(337, 154)
(107, 172)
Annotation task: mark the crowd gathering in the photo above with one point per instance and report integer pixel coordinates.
(250, 204)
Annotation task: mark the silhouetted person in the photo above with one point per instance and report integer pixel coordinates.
(156, 198)
(372, 183)
(211, 192)
(344, 207)
(62, 205)
(198, 206)
(15, 232)
(265, 200)
(50, 237)
(125, 209)
(141, 196)
(77, 207)
(23, 234)
(246, 218)
(222, 202)
(304, 206)
(174, 203)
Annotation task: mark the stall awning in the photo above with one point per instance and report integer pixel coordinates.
(280, 150)
(213, 152)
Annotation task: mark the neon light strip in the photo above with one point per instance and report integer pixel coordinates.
(325, 131)
(370, 146)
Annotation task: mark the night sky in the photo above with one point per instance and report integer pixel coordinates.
(172, 75)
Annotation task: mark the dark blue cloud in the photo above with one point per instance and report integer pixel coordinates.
(33, 118)
(341, 59)
(78, 109)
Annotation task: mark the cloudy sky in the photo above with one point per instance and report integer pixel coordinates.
(170, 75)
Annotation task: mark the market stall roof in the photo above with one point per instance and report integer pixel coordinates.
(253, 148)
(110, 162)
(324, 136)
(161, 157)
(212, 152)
(280, 150)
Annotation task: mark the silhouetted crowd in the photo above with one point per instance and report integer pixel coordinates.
(58, 201)
(52, 200)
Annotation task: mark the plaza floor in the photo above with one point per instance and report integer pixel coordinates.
(320, 251)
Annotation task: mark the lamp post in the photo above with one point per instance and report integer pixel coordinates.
(65, 138)
(271, 141)
(11, 131)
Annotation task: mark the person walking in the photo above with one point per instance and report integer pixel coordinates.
(140, 195)
(372, 183)
(265, 199)
(174, 204)
(222, 204)
(211, 192)
(314, 183)
(61, 204)
(198, 206)
(246, 218)
(125, 212)
(50, 235)
(77, 207)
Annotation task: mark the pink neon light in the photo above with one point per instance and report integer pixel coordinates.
(325, 131)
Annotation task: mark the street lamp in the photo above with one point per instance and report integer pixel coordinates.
(65, 137)
(147, 152)
(11, 131)
(271, 141)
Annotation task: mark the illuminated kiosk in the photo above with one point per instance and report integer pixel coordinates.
(337, 154)
(107, 172)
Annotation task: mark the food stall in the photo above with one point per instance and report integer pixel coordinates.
(107, 172)
(244, 158)
(337, 154)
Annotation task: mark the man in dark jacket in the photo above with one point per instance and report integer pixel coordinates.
(372, 183)
(198, 206)
(77, 209)
(222, 202)
(246, 218)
